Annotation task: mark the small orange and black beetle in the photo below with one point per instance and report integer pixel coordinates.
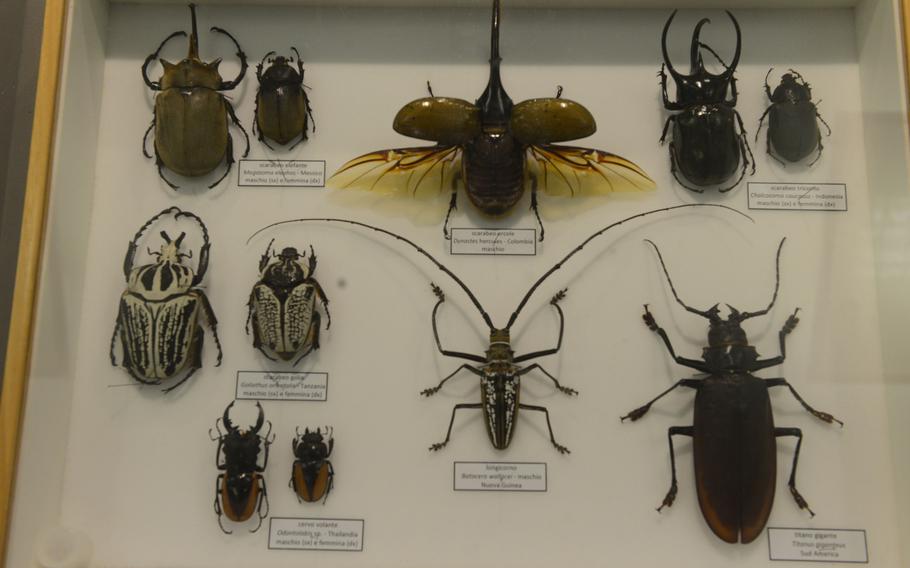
(312, 474)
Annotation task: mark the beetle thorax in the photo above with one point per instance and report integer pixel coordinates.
(280, 73)
(169, 253)
(791, 91)
(286, 271)
(500, 349)
(728, 347)
(191, 73)
(702, 87)
(241, 450)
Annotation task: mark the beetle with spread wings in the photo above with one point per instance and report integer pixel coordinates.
(495, 148)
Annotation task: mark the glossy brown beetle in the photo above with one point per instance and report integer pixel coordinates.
(733, 432)
(495, 148)
(282, 105)
(312, 475)
(191, 114)
(240, 491)
(793, 130)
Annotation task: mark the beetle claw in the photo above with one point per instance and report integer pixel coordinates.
(670, 498)
(429, 391)
(636, 414)
(437, 447)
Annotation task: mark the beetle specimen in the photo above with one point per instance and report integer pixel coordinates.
(733, 430)
(240, 490)
(312, 475)
(792, 126)
(191, 113)
(282, 306)
(158, 322)
(282, 106)
(499, 369)
(705, 148)
(495, 148)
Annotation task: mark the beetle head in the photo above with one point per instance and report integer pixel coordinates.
(192, 71)
(495, 105)
(287, 270)
(231, 429)
(312, 445)
(792, 89)
(700, 85)
(170, 249)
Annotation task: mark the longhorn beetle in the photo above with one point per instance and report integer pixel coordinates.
(499, 369)
(733, 429)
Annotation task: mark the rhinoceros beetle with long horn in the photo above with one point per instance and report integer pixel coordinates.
(191, 112)
(282, 105)
(705, 148)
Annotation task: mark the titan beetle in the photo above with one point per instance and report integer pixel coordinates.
(240, 490)
(793, 120)
(282, 105)
(282, 306)
(312, 475)
(733, 430)
(191, 113)
(158, 322)
(499, 369)
(495, 148)
(705, 148)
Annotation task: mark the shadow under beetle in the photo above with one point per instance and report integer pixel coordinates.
(158, 322)
(495, 148)
(282, 105)
(240, 491)
(705, 147)
(792, 120)
(733, 432)
(312, 475)
(191, 113)
(282, 306)
(499, 369)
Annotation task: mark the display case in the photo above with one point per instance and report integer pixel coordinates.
(99, 470)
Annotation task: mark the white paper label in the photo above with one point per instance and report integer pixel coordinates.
(798, 196)
(316, 534)
(818, 545)
(500, 476)
(263, 385)
(512, 242)
(281, 173)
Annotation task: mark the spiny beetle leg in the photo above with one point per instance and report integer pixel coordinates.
(684, 361)
(642, 410)
(441, 445)
(791, 322)
(562, 321)
(559, 447)
(566, 390)
(433, 390)
(670, 497)
(798, 434)
(823, 416)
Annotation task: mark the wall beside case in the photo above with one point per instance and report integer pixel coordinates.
(132, 468)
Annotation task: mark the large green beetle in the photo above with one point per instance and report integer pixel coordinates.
(496, 148)
(191, 113)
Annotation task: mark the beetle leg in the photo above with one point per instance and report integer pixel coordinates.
(684, 361)
(562, 449)
(534, 205)
(323, 298)
(218, 482)
(663, 135)
(642, 410)
(819, 116)
(263, 498)
(668, 104)
(160, 165)
(470, 357)
(145, 137)
(433, 390)
(331, 481)
(760, 121)
(798, 434)
(555, 303)
(530, 368)
(213, 324)
(228, 85)
(789, 325)
(453, 205)
(734, 93)
(441, 445)
(114, 340)
(155, 85)
(823, 416)
(234, 118)
(671, 494)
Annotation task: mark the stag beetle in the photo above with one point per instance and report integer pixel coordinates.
(792, 127)
(282, 306)
(494, 147)
(191, 113)
(312, 475)
(158, 322)
(733, 430)
(240, 490)
(282, 106)
(499, 369)
(705, 147)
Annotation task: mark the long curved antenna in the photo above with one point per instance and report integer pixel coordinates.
(663, 46)
(439, 265)
(705, 314)
(577, 249)
(747, 315)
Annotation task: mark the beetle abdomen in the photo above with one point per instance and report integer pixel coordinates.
(285, 318)
(706, 145)
(494, 172)
(735, 455)
(281, 113)
(793, 129)
(500, 394)
(191, 130)
(239, 495)
(158, 337)
(311, 481)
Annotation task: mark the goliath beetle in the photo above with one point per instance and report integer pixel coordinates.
(793, 120)
(282, 105)
(733, 430)
(158, 322)
(240, 490)
(191, 113)
(312, 475)
(282, 306)
(499, 369)
(705, 148)
(495, 148)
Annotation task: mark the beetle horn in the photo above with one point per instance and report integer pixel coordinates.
(194, 36)
(495, 105)
(747, 315)
(695, 60)
(739, 45)
(179, 239)
(709, 314)
(225, 419)
(260, 420)
(663, 45)
(165, 236)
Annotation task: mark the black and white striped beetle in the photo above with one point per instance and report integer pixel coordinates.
(282, 306)
(158, 322)
(499, 368)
